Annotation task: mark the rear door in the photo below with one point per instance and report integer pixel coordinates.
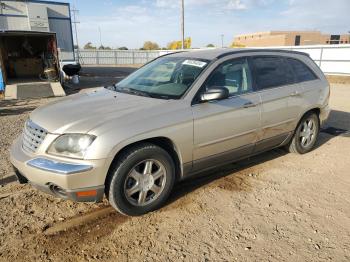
(307, 91)
(276, 84)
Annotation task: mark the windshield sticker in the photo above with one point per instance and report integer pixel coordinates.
(194, 63)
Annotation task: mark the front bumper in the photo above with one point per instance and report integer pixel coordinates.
(78, 180)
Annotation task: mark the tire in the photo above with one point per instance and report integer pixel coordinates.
(141, 180)
(305, 135)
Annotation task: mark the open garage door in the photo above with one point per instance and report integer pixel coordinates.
(30, 63)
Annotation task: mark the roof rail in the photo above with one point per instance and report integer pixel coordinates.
(176, 52)
(261, 50)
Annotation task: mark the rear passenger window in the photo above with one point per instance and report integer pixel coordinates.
(271, 72)
(302, 72)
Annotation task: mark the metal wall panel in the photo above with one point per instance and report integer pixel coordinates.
(14, 23)
(14, 8)
(62, 28)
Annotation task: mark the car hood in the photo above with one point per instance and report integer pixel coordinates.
(82, 113)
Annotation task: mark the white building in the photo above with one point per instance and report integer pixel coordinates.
(43, 16)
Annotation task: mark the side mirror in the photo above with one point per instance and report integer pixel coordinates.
(215, 93)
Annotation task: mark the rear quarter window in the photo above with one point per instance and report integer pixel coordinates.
(301, 71)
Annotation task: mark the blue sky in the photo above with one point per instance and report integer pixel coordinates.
(130, 23)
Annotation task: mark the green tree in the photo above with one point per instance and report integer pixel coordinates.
(102, 47)
(148, 45)
(178, 44)
(123, 48)
(210, 45)
(89, 46)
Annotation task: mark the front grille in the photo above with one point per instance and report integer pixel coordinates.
(33, 136)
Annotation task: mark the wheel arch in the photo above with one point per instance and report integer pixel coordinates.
(316, 110)
(291, 144)
(163, 142)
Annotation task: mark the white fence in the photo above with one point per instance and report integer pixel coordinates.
(115, 57)
(333, 59)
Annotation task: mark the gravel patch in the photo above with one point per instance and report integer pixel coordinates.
(273, 207)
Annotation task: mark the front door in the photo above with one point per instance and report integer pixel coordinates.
(226, 130)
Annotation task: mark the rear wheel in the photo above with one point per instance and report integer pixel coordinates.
(305, 135)
(141, 180)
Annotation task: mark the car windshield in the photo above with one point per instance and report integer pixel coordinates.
(165, 78)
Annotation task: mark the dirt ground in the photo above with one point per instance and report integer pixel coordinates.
(273, 207)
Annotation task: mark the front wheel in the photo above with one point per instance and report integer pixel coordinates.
(305, 135)
(141, 180)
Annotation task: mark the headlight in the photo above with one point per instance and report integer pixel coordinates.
(71, 145)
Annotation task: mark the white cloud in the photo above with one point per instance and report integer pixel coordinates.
(158, 20)
(330, 16)
(221, 4)
(236, 5)
(167, 4)
(132, 9)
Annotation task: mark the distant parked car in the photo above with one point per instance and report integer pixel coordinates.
(176, 116)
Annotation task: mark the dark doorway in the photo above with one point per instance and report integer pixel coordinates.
(335, 39)
(297, 40)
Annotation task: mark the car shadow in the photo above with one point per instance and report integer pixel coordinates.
(338, 124)
(207, 177)
(338, 119)
(15, 111)
(8, 180)
(15, 107)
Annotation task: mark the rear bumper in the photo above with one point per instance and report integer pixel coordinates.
(324, 114)
(78, 180)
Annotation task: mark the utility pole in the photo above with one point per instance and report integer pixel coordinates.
(99, 30)
(75, 22)
(182, 24)
(222, 40)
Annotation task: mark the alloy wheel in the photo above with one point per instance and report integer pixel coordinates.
(145, 182)
(307, 133)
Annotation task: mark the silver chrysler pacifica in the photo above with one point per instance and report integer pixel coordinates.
(174, 117)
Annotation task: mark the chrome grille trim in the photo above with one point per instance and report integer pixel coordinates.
(33, 136)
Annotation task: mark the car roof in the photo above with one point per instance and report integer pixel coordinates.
(211, 54)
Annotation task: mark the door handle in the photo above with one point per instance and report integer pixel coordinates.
(249, 104)
(295, 93)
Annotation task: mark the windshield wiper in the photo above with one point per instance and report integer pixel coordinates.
(131, 91)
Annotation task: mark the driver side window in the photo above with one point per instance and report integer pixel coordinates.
(234, 75)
